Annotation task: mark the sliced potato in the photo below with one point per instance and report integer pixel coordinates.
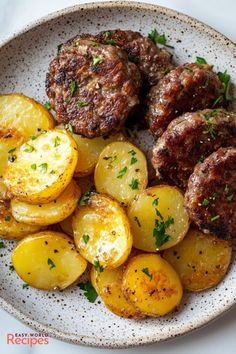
(12, 229)
(10, 139)
(108, 286)
(121, 171)
(24, 114)
(50, 213)
(201, 260)
(158, 218)
(66, 225)
(48, 260)
(43, 167)
(102, 232)
(152, 285)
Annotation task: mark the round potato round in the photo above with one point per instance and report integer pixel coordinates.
(50, 213)
(201, 260)
(152, 285)
(121, 171)
(48, 260)
(108, 286)
(158, 218)
(24, 114)
(10, 139)
(12, 229)
(43, 167)
(102, 232)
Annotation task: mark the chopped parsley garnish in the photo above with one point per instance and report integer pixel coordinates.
(12, 150)
(25, 286)
(43, 167)
(74, 44)
(201, 159)
(226, 190)
(59, 48)
(82, 104)
(216, 217)
(98, 266)
(205, 202)
(85, 238)
(28, 148)
(209, 126)
(226, 82)
(2, 245)
(89, 291)
(57, 141)
(97, 60)
(51, 264)
(188, 69)
(158, 38)
(35, 136)
(47, 105)
(8, 218)
(34, 166)
(159, 231)
(84, 198)
(230, 198)
(72, 88)
(200, 60)
(70, 128)
(155, 202)
(132, 152)
(110, 159)
(11, 268)
(136, 219)
(158, 214)
(108, 40)
(133, 58)
(146, 271)
(215, 195)
(134, 184)
(122, 172)
(133, 160)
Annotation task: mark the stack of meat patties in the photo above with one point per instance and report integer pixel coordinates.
(94, 84)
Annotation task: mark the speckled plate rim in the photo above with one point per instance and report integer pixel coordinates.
(112, 342)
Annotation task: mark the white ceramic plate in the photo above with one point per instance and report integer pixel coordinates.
(24, 59)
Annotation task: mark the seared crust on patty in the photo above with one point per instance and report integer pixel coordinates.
(210, 198)
(188, 140)
(117, 37)
(92, 86)
(187, 88)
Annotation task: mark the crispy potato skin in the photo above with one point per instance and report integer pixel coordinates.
(200, 260)
(50, 213)
(155, 294)
(121, 171)
(12, 229)
(43, 167)
(108, 286)
(24, 114)
(9, 140)
(153, 204)
(106, 226)
(48, 261)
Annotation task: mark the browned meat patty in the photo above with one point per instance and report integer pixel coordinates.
(92, 86)
(152, 61)
(210, 198)
(187, 88)
(188, 140)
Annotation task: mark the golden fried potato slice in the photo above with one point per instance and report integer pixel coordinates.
(201, 260)
(48, 260)
(102, 232)
(24, 114)
(152, 285)
(43, 167)
(121, 171)
(10, 139)
(108, 286)
(12, 229)
(158, 218)
(50, 213)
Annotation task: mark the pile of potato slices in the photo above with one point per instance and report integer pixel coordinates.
(74, 202)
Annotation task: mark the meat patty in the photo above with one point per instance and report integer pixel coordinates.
(210, 198)
(187, 88)
(152, 61)
(189, 139)
(92, 86)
